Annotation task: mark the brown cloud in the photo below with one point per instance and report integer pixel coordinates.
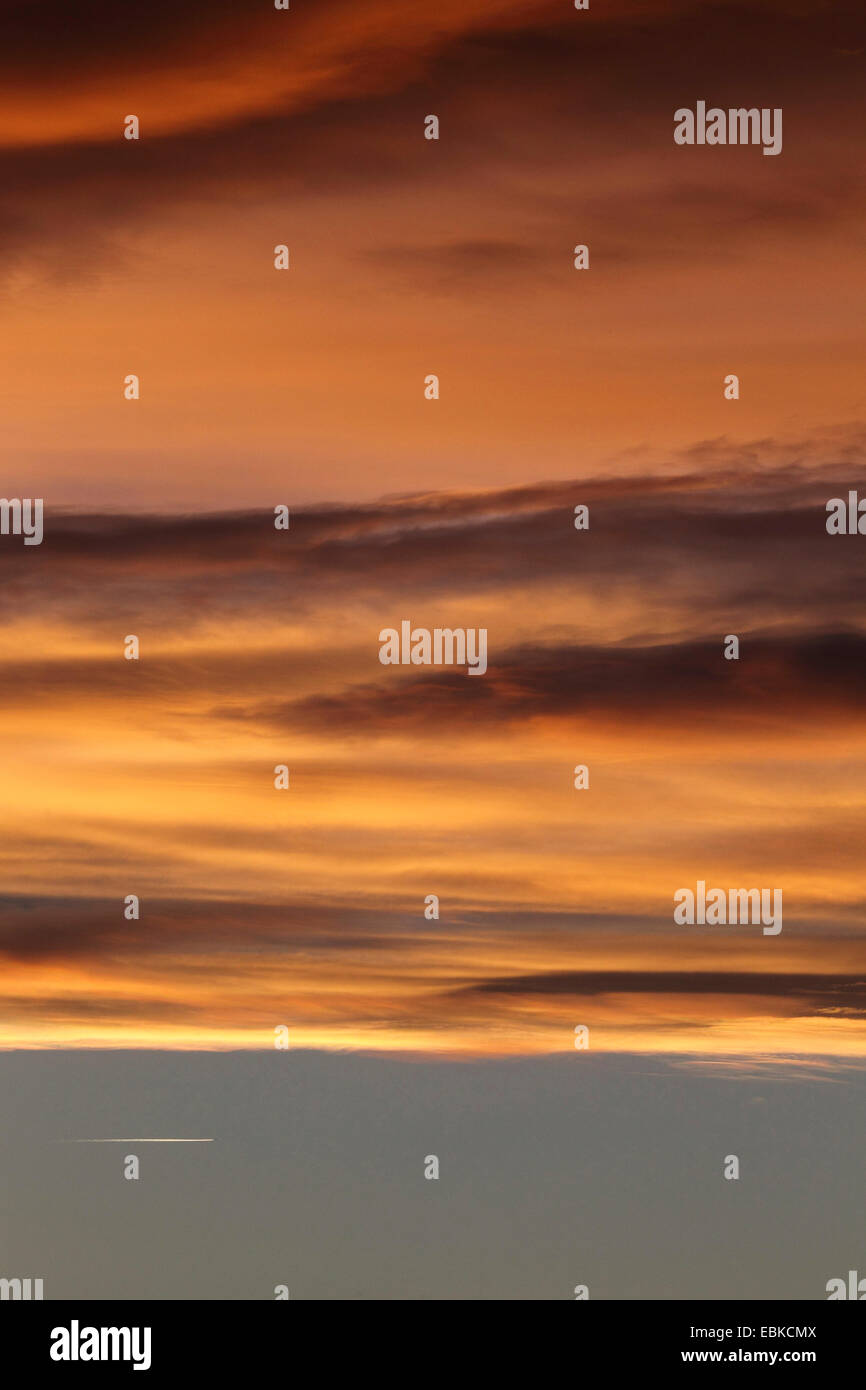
(822, 994)
(265, 105)
(745, 523)
(802, 678)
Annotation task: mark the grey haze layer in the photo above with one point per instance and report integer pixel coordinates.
(600, 1170)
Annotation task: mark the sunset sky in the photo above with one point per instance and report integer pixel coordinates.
(306, 388)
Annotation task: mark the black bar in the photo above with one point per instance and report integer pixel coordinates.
(224, 1338)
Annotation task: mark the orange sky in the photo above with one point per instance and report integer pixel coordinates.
(305, 387)
(411, 256)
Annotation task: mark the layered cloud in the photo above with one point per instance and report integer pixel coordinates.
(305, 388)
(260, 647)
